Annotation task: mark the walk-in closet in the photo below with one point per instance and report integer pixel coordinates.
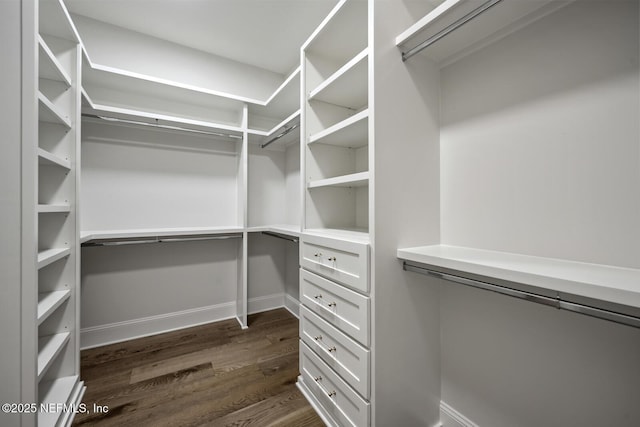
(347, 213)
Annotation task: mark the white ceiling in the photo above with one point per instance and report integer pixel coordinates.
(263, 33)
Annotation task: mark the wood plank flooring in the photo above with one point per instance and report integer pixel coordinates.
(214, 375)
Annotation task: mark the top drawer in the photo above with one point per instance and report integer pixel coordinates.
(342, 261)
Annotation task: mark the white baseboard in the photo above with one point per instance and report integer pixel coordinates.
(449, 417)
(292, 304)
(137, 328)
(265, 303)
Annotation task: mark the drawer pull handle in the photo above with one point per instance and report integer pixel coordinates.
(318, 378)
(317, 296)
(332, 258)
(332, 304)
(318, 338)
(318, 254)
(331, 394)
(331, 349)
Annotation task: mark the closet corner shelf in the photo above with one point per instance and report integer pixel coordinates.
(351, 132)
(49, 66)
(602, 287)
(49, 347)
(49, 113)
(62, 390)
(88, 236)
(48, 302)
(286, 229)
(347, 87)
(358, 235)
(49, 256)
(46, 158)
(472, 22)
(359, 179)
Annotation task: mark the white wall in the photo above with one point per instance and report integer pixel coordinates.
(136, 177)
(128, 50)
(267, 191)
(10, 209)
(406, 353)
(540, 151)
(293, 185)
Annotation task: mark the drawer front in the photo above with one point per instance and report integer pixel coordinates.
(343, 308)
(336, 397)
(339, 260)
(346, 357)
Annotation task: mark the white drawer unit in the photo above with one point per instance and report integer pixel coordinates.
(343, 308)
(347, 358)
(344, 261)
(336, 397)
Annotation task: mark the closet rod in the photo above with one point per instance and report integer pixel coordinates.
(166, 239)
(281, 236)
(449, 28)
(158, 125)
(277, 137)
(556, 302)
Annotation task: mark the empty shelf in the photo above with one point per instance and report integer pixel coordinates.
(354, 180)
(54, 208)
(351, 132)
(347, 87)
(50, 256)
(48, 302)
(62, 390)
(49, 113)
(49, 347)
(49, 66)
(46, 158)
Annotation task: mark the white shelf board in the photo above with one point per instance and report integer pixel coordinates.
(61, 390)
(351, 132)
(359, 235)
(49, 66)
(161, 119)
(496, 22)
(286, 229)
(49, 347)
(56, 21)
(46, 158)
(598, 282)
(49, 256)
(89, 235)
(49, 113)
(86, 99)
(347, 87)
(284, 101)
(48, 302)
(54, 208)
(359, 179)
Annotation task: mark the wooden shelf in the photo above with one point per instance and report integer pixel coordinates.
(62, 390)
(49, 66)
(497, 21)
(347, 87)
(46, 158)
(49, 113)
(57, 208)
(50, 256)
(49, 347)
(352, 132)
(48, 302)
(359, 179)
(547, 276)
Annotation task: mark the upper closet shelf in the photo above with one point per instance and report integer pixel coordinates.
(555, 282)
(351, 132)
(284, 102)
(286, 229)
(158, 234)
(455, 27)
(359, 179)
(347, 87)
(282, 135)
(48, 112)
(49, 66)
(56, 21)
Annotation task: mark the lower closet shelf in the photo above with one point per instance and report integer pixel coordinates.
(49, 347)
(48, 302)
(53, 395)
(49, 256)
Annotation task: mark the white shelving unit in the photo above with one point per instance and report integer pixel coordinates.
(346, 87)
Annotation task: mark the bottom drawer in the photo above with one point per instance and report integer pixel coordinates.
(337, 398)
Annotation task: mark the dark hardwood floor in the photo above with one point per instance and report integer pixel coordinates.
(215, 375)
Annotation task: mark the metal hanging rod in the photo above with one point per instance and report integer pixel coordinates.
(281, 236)
(166, 239)
(556, 302)
(280, 135)
(158, 125)
(449, 28)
